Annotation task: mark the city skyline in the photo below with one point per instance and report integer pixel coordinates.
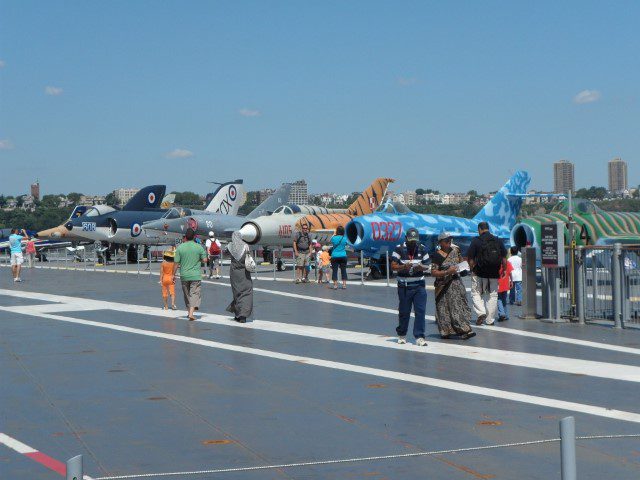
(97, 96)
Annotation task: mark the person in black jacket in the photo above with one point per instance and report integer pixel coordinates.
(485, 256)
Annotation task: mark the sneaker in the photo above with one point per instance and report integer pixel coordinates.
(18, 280)
(343, 287)
(421, 342)
(502, 318)
(489, 323)
(402, 340)
(334, 287)
(469, 335)
(218, 277)
(481, 319)
(297, 280)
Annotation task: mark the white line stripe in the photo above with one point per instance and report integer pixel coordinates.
(16, 445)
(612, 371)
(351, 368)
(493, 328)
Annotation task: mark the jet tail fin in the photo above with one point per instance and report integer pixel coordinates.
(369, 200)
(279, 197)
(503, 209)
(227, 199)
(147, 197)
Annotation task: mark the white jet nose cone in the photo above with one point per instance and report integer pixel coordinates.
(249, 233)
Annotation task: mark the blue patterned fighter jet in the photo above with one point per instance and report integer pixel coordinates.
(379, 232)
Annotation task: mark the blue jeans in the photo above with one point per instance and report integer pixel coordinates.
(415, 296)
(503, 305)
(515, 294)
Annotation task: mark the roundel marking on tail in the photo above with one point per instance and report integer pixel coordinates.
(151, 198)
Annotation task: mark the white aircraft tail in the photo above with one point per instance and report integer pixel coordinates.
(228, 198)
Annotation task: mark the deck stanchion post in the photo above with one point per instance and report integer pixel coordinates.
(255, 259)
(137, 261)
(126, 259)
(388, 273)
(65, 259)
(361, 267)
(616, 293)
(74, 468)
(581, 295)
(568, 448)
(273, 260)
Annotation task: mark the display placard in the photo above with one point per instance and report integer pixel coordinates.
(552, 245)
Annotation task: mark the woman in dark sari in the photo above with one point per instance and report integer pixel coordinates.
(241, 284)
(452, 310)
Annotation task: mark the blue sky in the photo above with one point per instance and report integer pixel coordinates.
(447, 95)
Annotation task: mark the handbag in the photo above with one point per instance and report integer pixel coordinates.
(249, 262)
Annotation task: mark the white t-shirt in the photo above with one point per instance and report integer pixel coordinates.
(516, 263)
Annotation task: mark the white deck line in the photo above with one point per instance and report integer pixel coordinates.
(351, 368)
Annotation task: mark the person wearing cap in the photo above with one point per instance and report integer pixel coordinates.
(214, 251)
(453, 313)
(410, 261)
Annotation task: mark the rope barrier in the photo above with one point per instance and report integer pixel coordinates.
(360, 459)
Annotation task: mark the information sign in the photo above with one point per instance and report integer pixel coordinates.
(552, 244)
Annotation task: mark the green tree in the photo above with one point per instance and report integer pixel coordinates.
(189, 199)
(50, 201)
(110, 199)
(74, 197)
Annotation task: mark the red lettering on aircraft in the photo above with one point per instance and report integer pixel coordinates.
(386, 231)
(284, 231)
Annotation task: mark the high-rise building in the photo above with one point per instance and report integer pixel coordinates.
(299, 193)
(123, 195)
(563, 179)
(35, 190)
(617, 175)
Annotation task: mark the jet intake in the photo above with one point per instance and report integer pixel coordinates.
(113, 227)
(522, 235)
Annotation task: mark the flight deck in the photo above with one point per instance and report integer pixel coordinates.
(91, 365)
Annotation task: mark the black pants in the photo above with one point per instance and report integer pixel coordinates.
(340, 262)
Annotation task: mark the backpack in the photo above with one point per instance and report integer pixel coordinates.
(214, 248)
(299, 237)
(489, 257)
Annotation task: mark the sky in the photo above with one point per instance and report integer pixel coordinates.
(452, 96)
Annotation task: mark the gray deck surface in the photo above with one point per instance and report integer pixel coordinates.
(132, 403)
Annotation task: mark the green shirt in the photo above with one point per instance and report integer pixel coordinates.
(190, 255)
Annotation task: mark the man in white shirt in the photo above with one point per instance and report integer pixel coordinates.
(214, 251)
(515, 295)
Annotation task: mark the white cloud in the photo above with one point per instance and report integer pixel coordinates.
(587, 96)
(2, 64)
(407, 81)
(180, 153)
(246, 112)
(54, 91)
(6, 144)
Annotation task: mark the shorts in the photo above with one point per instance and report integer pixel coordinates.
(191, 292)
(214, 260)
(17, 259)
(168, 289)
(302, 259)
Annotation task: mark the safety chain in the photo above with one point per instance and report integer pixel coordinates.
(361, 459)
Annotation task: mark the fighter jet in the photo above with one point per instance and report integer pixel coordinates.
(323, 226)
(381, 231)
(593, 226)
(174, 223)
(277, 230)
(103, 223)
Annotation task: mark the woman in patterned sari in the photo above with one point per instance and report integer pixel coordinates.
(452, 310)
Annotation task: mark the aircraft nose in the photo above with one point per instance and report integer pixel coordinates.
(250, 233)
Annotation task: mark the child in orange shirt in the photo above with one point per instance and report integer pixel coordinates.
(325, 265)
(166, 279)
(504, 285)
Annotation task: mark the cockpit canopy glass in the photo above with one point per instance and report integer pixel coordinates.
(394, 208)
(580, 206)
(176, 212)
(98, 210)
(289, 209)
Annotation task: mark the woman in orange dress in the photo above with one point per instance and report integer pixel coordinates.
(167, 280)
